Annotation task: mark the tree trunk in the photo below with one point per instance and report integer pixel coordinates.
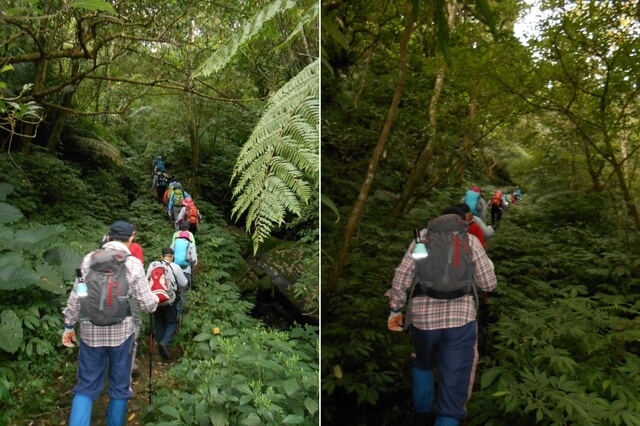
(420, 167)
(61, 121)
(467, 140)
(359, 205)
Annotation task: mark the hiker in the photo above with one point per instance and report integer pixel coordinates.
(160, 183)
(166, 317)
(105, 337)
(185, 253)
(176, 199)
(158, 165)
(474, 199)
(497, 206)
(517, 193)
(137, 252)
(474, 228)
(443, 331)
(190, 215)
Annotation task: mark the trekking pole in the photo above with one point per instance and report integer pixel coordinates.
(484, 323)
(150, 355)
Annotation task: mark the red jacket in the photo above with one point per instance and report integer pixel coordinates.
(136, 250)
(474, 229)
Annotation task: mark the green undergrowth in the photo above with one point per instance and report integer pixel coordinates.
(38, 258)
(236, 371)
(562, 340)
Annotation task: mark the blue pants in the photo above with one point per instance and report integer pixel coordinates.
(166, 318)
(92, 366)
(452, 352)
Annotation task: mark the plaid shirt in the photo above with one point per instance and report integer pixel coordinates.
(426, 313)
(112, 335)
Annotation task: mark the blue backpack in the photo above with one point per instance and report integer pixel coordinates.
(159, 166)
(181, 251)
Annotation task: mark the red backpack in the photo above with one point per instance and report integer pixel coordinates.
(161, 286)
(495, 201)
(192, 214)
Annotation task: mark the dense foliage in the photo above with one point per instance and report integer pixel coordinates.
(406, 132)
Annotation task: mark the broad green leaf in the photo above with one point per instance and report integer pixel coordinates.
(311, 406)
(93, 5)
(219, 418)
(8, 213)
(5, 68)
(251, 420)
(5, 189)
(66, 258)
(10, 331)
(16, 277)
(38, 238)
(293, 419)
(170, 411)
(50, 279)
(291, 386)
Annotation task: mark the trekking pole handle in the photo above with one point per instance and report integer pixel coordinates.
(416, 234)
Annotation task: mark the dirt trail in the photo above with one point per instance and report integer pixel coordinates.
(137, 404)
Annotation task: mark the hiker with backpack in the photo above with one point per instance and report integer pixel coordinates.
(176, 200)
(498, 204)
(476, 202)
(166, 279)
(158, 165)
(137, 252)
(99, 301)
(474, 229)
(190, 215)
(442, 276)
(185, 253)
(160, 183)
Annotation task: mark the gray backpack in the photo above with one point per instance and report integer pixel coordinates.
(107, 301)
(447, 272)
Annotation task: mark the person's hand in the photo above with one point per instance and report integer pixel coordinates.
(69, 337)
(395, 321)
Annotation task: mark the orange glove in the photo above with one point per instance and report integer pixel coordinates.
(395, 321)
(69, 337)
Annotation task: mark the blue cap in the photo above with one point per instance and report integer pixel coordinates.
(121, 229)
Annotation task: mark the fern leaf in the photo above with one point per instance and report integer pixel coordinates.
(99, 147)
(250, 29)
(279, 165)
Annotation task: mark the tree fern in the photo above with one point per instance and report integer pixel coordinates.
(277, 169)
(250, 28)
(98, 146)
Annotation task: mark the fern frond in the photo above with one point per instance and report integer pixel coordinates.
(99, 147)
(279, 165)
(250, 29)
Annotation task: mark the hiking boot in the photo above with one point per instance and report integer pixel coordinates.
(164, 352)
